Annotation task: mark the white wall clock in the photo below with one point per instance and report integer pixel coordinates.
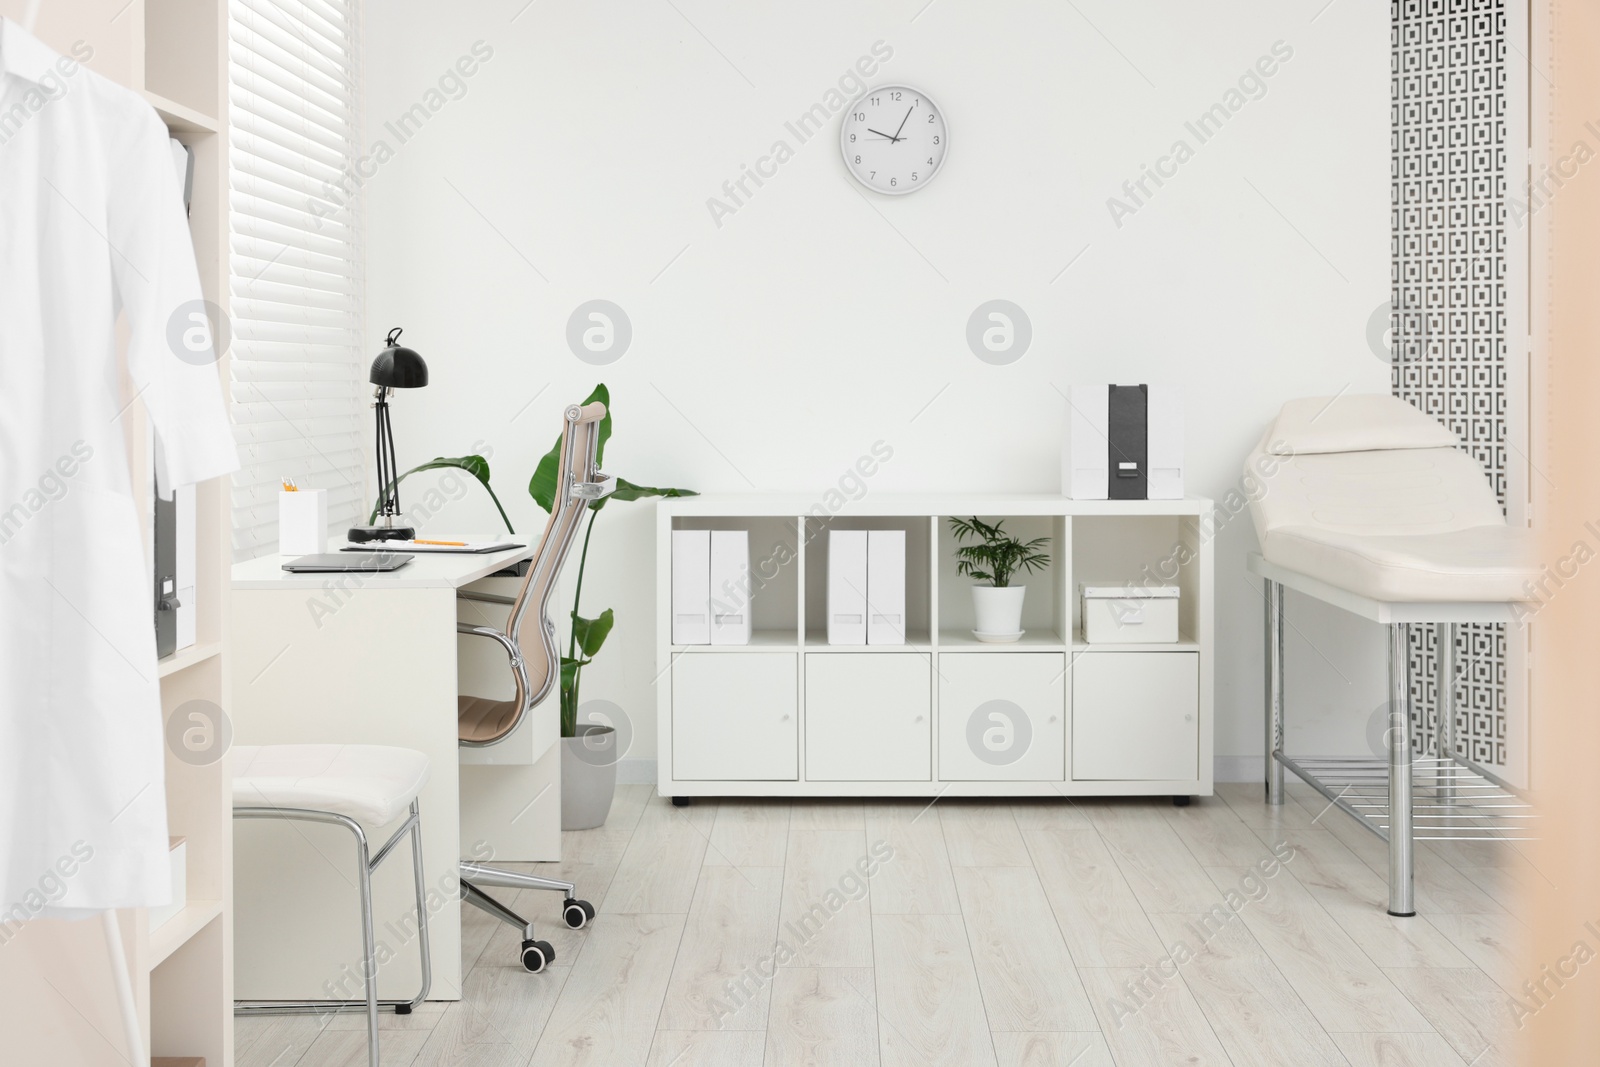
(894, 139)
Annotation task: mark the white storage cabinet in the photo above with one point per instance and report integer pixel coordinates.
(788, 714)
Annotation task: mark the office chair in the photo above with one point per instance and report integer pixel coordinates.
(529, 640)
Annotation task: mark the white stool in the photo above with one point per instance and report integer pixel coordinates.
(346, 785)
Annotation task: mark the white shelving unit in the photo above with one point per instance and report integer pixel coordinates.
(791, 715)
(174, 53)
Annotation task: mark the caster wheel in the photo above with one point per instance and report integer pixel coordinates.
(537, 955)
(577, 913)
(680, 802)
(1181, 802)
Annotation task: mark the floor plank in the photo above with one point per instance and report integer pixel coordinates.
(917, 880)
(820, 920)
(981, 835)
(1151, 1023)
(1342, 987)
(723, 975)
(823, 1017)
(1258, 1018)
(1397, 1050)
(1101, 921)
(1024, 970)
(707, 1048)
(929, 1008)
(1465, 1006)
(750, 833)
(661, 866)
(1051, 1050)
(606, 1014)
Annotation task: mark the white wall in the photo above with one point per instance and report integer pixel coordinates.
(771, 351)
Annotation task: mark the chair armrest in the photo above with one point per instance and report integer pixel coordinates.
(518, 665)
(486, 598)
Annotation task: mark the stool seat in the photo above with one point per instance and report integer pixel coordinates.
(372, 784)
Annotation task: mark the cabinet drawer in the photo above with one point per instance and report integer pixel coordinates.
(735, 716)
(1002, 716)
(868, 717)
(1135, 716)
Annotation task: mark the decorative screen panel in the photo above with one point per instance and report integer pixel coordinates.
(1449, 182)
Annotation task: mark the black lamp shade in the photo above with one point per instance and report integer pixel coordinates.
(399, 367)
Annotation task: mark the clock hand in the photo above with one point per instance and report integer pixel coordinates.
(909, 110)
(885, 136)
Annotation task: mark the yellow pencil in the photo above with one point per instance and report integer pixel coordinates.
(457, 544)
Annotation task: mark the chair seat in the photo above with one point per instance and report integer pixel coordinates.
(372, 784)
(483, 719)
(1492, 563)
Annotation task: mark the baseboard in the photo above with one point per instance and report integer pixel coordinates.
(1239, 768)
(636, 772)
(1224, 769)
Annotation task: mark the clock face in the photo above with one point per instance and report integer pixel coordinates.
(894, 139)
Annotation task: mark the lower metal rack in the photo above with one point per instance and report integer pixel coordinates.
(1452, 799)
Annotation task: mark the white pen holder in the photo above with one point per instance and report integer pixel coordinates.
(303, 522)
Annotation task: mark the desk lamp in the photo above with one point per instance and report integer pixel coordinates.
(396, 367)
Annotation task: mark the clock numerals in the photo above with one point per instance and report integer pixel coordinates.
(887, 132)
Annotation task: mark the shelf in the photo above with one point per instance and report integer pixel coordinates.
(916, 641)
(173, 934)
(185, 658)
(181, 119)
(1044, 640)
(760, 641)
(1184, 644)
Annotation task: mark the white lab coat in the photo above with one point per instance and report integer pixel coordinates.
(91, 220)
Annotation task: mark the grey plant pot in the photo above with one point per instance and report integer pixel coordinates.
(588, 776)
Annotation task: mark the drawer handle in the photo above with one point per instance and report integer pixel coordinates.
(1188, 718)
(784, 718)
(918, 719)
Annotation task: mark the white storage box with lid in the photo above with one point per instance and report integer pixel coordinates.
(1130, 613)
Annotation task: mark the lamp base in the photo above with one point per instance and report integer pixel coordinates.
(362, 534)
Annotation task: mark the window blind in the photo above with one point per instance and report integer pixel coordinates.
(298, 372)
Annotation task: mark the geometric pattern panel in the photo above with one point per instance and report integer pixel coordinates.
(1448, 182)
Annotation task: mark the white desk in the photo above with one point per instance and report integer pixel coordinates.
(372, 659)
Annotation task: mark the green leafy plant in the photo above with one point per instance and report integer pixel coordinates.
(476, 466)
(588, 635)
(997, 555)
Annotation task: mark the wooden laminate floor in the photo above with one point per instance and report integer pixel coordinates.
(1058, 933)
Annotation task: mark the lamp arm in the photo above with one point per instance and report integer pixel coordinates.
(435, 466)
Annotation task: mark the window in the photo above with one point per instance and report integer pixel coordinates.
(299, 392)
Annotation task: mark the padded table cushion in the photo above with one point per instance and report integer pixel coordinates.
(372, 784)
(1481, 563)
(1407, 522)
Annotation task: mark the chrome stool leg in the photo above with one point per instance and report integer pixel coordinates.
(1402, 858)
(367, 863)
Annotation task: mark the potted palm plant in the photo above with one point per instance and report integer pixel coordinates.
(993, 558)
(590, 750)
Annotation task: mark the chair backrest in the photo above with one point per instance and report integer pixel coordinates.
(529, 625)
(1368, 466)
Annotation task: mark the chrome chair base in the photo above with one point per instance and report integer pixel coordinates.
(536, 954)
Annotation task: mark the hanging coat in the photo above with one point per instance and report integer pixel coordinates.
(91, 221)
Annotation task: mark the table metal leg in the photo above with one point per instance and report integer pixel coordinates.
(1274, 695)
(1444, 736)
(1402, 859)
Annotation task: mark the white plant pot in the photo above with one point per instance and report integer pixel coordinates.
(998, 611)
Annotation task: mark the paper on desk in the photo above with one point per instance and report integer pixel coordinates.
(422, 546)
